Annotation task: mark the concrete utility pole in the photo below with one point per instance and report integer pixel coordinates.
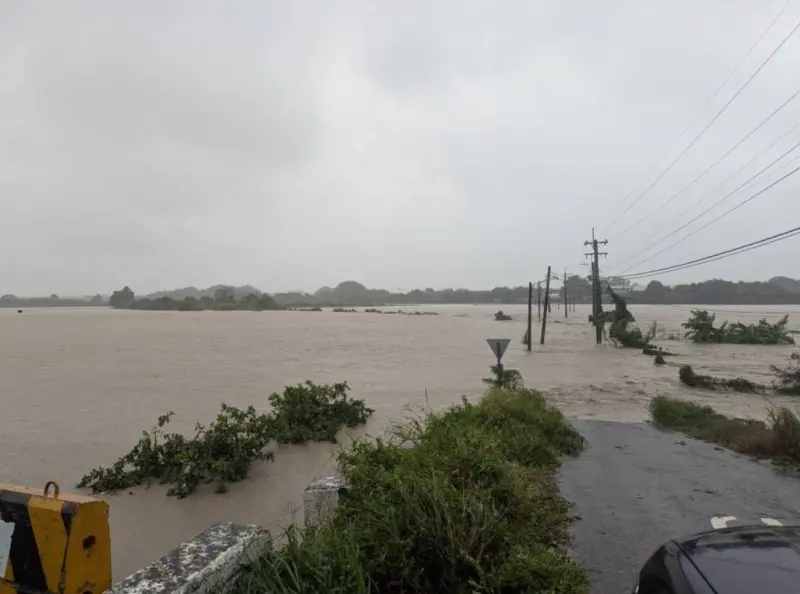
(530, 316)
(546, 304)
(597, 298)
(566, 302)
(539, 300)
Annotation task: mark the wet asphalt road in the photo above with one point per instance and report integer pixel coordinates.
(635, 487)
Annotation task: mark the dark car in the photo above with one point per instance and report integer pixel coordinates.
(744, 560)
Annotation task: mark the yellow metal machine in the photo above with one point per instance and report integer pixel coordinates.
(53, 543)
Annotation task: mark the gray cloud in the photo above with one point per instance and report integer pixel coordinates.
(291, 145)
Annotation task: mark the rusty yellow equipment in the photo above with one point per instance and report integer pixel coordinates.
(52, 542)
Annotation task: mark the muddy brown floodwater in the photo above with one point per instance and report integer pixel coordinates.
(79, 386)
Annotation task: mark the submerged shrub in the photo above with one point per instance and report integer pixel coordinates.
(700, 328)
(223, 450)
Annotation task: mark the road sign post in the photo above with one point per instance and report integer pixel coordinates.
(499, 346)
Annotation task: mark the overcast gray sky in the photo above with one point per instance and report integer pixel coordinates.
(402, 144)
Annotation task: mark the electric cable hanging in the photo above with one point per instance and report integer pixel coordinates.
(726, 213)
(710, 167)
(710, 193)
(717, 203)
(719, 255)
(707, 126)
(714, 96)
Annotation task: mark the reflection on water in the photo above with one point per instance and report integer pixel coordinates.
(78, 386)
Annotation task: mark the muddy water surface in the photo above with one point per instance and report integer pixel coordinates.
(78, 386)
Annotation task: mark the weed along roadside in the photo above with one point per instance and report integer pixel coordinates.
(458, 501)
(777, 440)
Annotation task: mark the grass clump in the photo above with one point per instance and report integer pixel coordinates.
(458, 502)
(500, 316)
(223, 451)
(700, 328)
(778, 439)
(708, 382)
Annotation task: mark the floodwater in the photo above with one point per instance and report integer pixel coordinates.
(79, 386)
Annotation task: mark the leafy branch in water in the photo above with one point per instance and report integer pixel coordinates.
(622, 330)
(700, 328)
(223, 450)
(708, 382)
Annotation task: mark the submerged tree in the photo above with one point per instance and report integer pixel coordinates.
(700, 328)
(622, 330)
(787, 379)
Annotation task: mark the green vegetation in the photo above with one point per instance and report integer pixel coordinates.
(787, 379)
(700, 328)
(512, 379)
(461, 501)
(501, 317)
(778, 439)
(708, 382)
(224, 450)
(224, 299)
(344, 310)
(314, 412)
(623, 331)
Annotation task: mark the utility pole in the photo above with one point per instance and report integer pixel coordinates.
(529, 338)
(539, 300)
(546, 304)
(597, 298)
(566, 302)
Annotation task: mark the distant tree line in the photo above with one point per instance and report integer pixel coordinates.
(224, 299)
(779, 290)
(54, 300)
(776, 291)
(354, 294)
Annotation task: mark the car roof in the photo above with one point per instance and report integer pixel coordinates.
(747, 559)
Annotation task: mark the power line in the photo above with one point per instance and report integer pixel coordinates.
(714, 96)
(707, 126)
(760, 313)
(717, 203)
(719, 255)
(714, 164)
(711, 193)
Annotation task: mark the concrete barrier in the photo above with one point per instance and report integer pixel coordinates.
(320, 499)
(52, 542)
(208, 563)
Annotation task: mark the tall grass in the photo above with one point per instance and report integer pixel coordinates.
(777, 439)
(462, 501)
